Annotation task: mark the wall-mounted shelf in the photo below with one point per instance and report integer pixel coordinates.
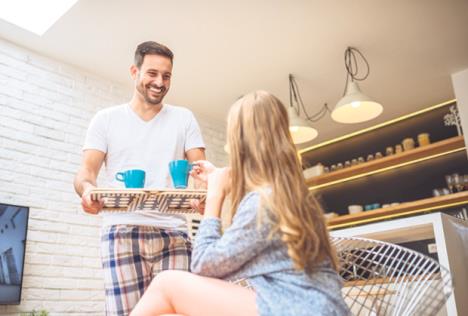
(407, 208)
(437, 149)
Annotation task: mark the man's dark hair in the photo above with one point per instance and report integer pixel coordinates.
(151, 48)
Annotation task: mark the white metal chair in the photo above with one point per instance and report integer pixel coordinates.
(381, 278)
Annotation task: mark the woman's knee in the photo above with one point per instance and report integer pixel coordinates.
(167, 279)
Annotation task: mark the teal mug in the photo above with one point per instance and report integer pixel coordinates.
(180, 171)
(134, 178)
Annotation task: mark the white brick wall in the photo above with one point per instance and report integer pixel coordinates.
(45, 107)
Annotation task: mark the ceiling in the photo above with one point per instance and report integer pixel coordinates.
(224, 49)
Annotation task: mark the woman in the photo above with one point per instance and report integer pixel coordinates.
(277, 241)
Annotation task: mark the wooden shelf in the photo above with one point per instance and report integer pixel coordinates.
(413, 207)
(389, 162)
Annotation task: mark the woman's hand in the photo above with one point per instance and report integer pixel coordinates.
(201, 169)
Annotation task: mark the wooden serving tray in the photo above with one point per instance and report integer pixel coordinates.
(151, 200)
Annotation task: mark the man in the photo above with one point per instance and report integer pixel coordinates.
(142, 134)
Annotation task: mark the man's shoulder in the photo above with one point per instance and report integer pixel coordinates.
(179, 110)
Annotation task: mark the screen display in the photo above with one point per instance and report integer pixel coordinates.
(13, 228)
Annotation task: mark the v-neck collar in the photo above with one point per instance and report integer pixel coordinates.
(142, 121)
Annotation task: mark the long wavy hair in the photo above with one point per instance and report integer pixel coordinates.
(263, 158)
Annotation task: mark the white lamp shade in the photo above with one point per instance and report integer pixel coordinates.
(355, 106)
(299, 128)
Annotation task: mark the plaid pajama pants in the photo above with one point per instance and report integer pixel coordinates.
(132, 256)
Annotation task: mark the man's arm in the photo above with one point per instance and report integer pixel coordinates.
(195, 154)
(85, 179)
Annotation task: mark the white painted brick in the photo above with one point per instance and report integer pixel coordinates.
(43, 63)
(49, 133)
(35, 160)
(74, 139)
(83, 240)
(63, 166)
(13, 51)
(12, 72)
(36, 201)
(89, 284)
(89, 295)
(88, 251)
(68, 261)
(10, 90)
(74, 158)
(28, 179)
(80, 122)
(15, 114)
(20, 146)
(35, 99)
(50, 283)
(41, 294)
(34, 258)
(34, 235)
(83, 231)
(91, 262)
(12, 188)
(21, 105)
(52, 154)
(52, 114)
(7, 60)
(47, 226)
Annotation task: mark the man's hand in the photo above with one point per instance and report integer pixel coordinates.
(90, 206)
(198, 206)
(85, 179)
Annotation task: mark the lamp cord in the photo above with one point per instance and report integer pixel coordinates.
(295, 96)
(352, 68)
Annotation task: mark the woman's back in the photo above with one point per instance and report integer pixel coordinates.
(246, 251)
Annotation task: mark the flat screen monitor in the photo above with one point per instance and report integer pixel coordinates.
(13, 229)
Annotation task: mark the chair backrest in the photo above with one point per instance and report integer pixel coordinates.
(381, 278)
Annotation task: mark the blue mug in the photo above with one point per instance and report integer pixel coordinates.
(180, 171)
(134, 178)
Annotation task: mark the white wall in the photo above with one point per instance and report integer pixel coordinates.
(460, 87)
(45, 107)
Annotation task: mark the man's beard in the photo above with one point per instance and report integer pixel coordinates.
(145, 92)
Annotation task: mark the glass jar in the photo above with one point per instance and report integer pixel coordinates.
(423, 139)
(408, 144)
(389, 151)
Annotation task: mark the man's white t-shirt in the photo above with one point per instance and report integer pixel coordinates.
(131, 143)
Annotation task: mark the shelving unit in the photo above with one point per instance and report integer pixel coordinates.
(415, 207)
(440, 148)
(407, 178)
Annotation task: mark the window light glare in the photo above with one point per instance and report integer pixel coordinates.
(33, 15)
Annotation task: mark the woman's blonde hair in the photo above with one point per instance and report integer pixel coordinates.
(263, 156)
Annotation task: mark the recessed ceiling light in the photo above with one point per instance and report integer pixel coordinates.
(33, 15)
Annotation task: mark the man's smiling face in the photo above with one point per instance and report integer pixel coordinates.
(153, 79)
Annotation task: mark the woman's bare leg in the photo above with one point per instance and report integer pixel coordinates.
(190, 294)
